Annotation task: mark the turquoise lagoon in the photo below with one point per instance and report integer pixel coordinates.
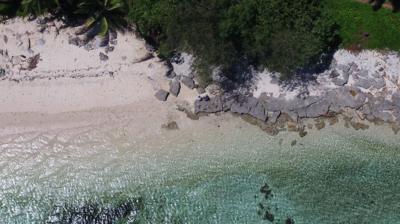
(335, 175)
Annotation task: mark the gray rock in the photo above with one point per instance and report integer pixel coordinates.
(273, 117)
(334, 74)
(40, 42)
(379, 83)
(366, 109)
(109, 49)
(243, 105)
(272, 103)
(341, 81)
(103, 57)
(213, 105)
(344, 68)
(5, 39)
(2, 73)
(353, 68)
(364, 83)
(300, 103)
(42, 28)
(376, 75)
(363, 73)
(170, 74)
(302, 112)
(346, 97)
(90, 46)
(188, 82)
(228, 104)
(162, 95)
(396, 100)
(174, 87)
(384, 115)
(293, 115)
(74, 41)
(258, 112)
(201, 90)
(396, 115)
(113, 36)
(318, 109)
(239, 108)
(381, 104)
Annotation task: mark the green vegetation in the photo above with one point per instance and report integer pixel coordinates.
(36, 7)
(361, 27)
(282, 35)
(102, 14)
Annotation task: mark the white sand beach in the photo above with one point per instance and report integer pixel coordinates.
(71, 86)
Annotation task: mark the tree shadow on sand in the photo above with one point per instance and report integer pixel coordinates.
(242, 77)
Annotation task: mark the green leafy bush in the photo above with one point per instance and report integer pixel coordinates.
(283, 35)
(36, 7)
(8, 7)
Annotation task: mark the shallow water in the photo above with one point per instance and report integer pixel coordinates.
(336, 175)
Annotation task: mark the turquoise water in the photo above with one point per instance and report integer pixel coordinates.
(337, 175)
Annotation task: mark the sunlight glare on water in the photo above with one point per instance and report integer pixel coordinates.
(336, 175)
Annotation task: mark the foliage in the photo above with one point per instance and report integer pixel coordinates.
(8, 7)
(284, 35)
(36, 7)
(362, 27)
(103, 14)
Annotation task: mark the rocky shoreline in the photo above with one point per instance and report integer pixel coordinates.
(356, 91)
(362, 86)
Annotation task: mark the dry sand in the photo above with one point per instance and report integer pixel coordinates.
(72, 87)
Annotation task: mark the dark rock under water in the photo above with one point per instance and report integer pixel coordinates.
(126, 211)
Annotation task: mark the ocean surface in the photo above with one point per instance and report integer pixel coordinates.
(232, 174)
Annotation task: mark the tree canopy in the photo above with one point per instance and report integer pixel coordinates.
(283, 35)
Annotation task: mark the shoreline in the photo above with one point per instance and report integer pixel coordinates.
(87, 84)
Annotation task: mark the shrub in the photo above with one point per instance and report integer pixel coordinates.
(36, 7)
(283, 35)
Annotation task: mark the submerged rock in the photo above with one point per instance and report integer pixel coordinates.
(94, 213)
(289, 220)
(266, 190)
(269, 216)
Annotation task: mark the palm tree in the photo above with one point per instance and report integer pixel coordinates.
(102, 16)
